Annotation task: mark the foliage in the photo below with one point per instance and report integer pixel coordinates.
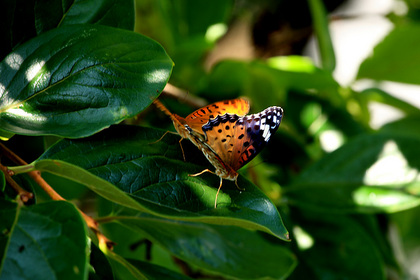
(72, 71)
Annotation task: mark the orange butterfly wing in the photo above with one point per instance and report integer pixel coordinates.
(198, 118)
(237, 140)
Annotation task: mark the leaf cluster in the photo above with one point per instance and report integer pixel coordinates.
(320, 202)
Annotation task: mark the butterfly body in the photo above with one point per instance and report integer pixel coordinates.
(227, 137)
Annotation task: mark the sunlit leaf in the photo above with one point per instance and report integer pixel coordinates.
(47, 87)
(124, 165)
(395, 59)
(378, 172)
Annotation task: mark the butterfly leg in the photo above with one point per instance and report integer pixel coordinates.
(199, 173)
(218, 190)
(182, 149)
(236, 183)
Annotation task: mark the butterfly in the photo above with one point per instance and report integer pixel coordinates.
(191, 126)
(228, 137)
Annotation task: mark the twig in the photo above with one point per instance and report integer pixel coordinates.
(36, 176)
(23, 194)
(11, 155)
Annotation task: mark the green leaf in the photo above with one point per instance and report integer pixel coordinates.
(268, 83)
(406, 222)
(153, 177)
(101, 268)
(378, 95)
(340, 246)
(312, 114)
(114, 13)
(2, 182)
(320, 23)
(123, 266)
(48, 87)
(8, 217)
(395, 59)
(223, 250)
(152, 271)
(371, 173)
(189, 20)
(5, 135)
(46, 241)
(24, 20)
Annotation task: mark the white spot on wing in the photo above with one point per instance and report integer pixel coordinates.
(266, 133)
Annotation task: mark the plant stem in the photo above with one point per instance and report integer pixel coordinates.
(23, 194)
(36, 176)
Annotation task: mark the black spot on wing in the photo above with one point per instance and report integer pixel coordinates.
(220, 119)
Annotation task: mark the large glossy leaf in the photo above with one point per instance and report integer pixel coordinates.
(22, 20)
(153, 271)
(51, 14)
(76, 80)
(395, 59)
(45, 241)
(377, 172)
(222, 250)
(8, 217)
(134, 170)
(134, 269)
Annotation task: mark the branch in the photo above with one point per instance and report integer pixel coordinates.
(23, 194)
(36, 176)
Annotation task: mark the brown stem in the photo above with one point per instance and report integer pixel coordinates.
(36, 176)
(23, 194)
(11, 155)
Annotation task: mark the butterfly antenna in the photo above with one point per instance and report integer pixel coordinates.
(154, 142)
(162, 107)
